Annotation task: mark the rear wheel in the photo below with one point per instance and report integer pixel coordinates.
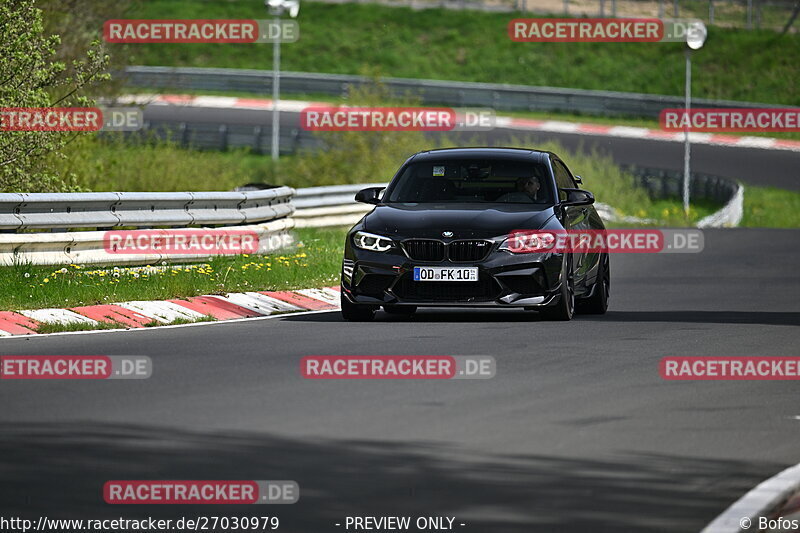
(565, 308)
(597, 304)
(356, 312)
(401, 310)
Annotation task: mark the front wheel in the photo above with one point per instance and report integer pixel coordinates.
(565, 308)
(356, 312)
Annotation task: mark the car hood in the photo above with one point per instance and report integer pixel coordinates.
(464, 220)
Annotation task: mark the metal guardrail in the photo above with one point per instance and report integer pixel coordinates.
(142, 209)
(431, 92)
(266, 212)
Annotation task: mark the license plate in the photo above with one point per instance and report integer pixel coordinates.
(445, 274)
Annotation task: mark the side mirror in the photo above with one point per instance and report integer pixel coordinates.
(369, 195)
(578, 180)
(577, 197)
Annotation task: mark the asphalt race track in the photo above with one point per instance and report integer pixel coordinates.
(576, 433)
(773, 168)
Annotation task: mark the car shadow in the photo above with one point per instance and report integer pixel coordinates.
(58, 470)
(766, 318)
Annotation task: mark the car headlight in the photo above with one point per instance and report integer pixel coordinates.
(529, 242)
(371, 242)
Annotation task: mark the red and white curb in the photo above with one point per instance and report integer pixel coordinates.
(137, 314)
(521, 124)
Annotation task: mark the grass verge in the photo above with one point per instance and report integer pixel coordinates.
(474, 46)
(58, 327)
(314, 263)
(768, 207)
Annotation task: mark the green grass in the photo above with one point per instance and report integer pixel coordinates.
(314, 263)
(57, 327)
(758, 66)
(768, 207)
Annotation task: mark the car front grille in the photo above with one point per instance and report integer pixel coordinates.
(468, 250)
(446, 291)
(424, 250)
(457, 251)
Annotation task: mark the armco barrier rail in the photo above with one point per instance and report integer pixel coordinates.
(430, 92)
(266, 212)
(142, 209)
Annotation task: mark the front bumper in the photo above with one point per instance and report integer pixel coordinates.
(504, 280)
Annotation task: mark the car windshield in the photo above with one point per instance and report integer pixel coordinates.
(490, 181)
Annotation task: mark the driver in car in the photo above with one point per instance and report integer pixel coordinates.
(527, 191)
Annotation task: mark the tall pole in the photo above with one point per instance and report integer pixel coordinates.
(276, 94)
(686, 144)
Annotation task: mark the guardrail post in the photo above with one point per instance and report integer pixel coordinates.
(295, 139)
(223, 137)
(257, 139)
(184, 131)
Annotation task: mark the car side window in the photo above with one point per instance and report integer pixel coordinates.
(563, 179)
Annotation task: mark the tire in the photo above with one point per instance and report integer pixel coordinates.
(565, 308)
(597, 304)
(400, 310)
(356, 312)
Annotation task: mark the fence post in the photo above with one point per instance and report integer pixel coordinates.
(566, 7)
(675, 9)
(711, 11)
(614, 8)
(602, 8)
(749, 14)
(661, 9)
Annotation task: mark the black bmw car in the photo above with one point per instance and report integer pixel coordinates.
(439, 237)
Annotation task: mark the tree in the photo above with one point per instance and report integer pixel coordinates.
(32, 76)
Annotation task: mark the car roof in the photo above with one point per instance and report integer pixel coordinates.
(480, 152)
